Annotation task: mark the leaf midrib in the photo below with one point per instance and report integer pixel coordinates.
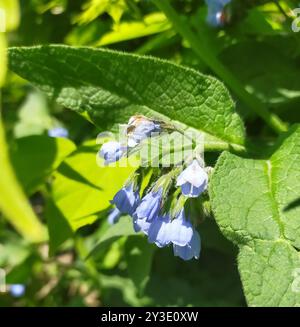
(275, 205)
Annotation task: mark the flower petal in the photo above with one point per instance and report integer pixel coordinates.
(189, 251)
(158, 232)
(126, 200)
(141, 225)
(149, 206)
(114, 216)
(181, 230)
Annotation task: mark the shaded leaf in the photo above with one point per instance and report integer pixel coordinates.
(36, 157)
(138, 254)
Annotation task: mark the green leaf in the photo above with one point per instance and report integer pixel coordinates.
(58, 227)
(33, 116)
(81, 189)
(111, 86)
(35, 157)
(123, 228)
(139, 254)
(151, 24)
(269, 273)
(255, 205)
(94, 8)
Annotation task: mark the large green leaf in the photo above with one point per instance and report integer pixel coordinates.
(35, 157)
(111, 86)
(81, 190)
(256, 205)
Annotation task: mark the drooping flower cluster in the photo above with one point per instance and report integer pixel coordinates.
(216, 15)
(159, 210)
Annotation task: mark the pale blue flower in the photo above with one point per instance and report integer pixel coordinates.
(17, 290)
(150, 205)
(215, 12)
(193, 180)
(112, 151)
(159, 231)
(58, 132)
(190, 250)
(181, 230)
(114, 216)
(127, 199)
(143, 128)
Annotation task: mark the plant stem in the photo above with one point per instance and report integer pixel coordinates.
(207, 56)
(214, 145)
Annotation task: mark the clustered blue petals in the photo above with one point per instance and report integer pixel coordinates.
(185, 239)
(162, 226)
(215, 12)
(160, 229)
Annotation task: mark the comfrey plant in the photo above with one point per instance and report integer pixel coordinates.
(161, 210)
